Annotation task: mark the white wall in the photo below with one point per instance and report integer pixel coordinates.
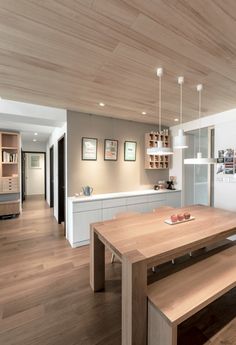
(225, 137)
(53, 140)
(225, 192)
(8, 107)
(34, 146)
(34, 176)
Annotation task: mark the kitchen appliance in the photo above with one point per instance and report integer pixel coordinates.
(170, 185)
(87, 190)
(160, 185)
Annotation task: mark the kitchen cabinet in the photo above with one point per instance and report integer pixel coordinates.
(82, 211)
(110, 213)
(82, 221)
(173, 200)
(141, 207)
(155, 201)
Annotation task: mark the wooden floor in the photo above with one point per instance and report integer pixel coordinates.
(45, 297)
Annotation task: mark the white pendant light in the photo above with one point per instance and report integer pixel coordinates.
(180, 141)
(199, 159)
(160, 149)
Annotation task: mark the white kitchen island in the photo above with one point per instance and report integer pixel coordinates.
(82, 211)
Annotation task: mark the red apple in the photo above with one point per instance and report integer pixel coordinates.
(180, 217)
(174, 218)
(187, 215)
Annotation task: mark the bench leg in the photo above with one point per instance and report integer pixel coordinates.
(160, 331)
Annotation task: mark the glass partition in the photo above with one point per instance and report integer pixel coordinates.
(197, 178)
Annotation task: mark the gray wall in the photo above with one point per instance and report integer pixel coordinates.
(105, 176)
(34, 147)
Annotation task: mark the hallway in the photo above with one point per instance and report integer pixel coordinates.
(45, 297)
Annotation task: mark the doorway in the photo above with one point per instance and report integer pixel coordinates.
(33, 174)
(61, 180)
(51, 164)
(22, 176)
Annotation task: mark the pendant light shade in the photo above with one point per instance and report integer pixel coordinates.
(199, 159)
(160, 149)
(180, 141)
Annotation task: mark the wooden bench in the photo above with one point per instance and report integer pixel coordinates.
(180, 295)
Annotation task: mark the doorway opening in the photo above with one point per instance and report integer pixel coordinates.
(33, 174)
(51, 165)
(61, 181)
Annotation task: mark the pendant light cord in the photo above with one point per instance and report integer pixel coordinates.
(199, 117)
(160, 104)
(181, 105)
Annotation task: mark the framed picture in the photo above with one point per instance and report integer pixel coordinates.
(110, 150)
(89, 149)
(34, 161)
(130, 151)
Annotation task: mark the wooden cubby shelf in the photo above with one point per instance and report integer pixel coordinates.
(156, 161)
(9, 173)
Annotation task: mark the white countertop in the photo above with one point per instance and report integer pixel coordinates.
(120, 195)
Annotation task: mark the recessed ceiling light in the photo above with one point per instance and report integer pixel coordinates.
(144, 113)
(35, 133)
(102, 104)
(34, 140)
(176, 120)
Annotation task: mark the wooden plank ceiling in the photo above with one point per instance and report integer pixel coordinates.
(77, 53)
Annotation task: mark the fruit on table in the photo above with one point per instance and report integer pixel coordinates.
(187, 215)
(174, 218)
(180, 217)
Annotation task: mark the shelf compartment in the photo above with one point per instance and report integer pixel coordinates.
(156, 161)
(9, 148)
(10, 140)
(9, 169)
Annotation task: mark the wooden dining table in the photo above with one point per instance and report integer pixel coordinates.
(144, 241)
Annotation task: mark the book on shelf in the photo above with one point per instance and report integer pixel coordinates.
(9, 157)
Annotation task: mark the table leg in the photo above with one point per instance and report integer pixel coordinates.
(134, 299)
(97, 262)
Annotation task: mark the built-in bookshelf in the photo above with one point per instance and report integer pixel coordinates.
(156, 161)
(9, 173)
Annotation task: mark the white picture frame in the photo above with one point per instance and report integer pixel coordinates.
(35, 161)
(130, 148)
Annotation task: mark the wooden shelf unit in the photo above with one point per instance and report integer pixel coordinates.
(156, 161)
(9, 172)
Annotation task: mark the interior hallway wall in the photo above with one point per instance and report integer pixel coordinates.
(53, 141)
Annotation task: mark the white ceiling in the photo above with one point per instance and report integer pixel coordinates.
(30, 118)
